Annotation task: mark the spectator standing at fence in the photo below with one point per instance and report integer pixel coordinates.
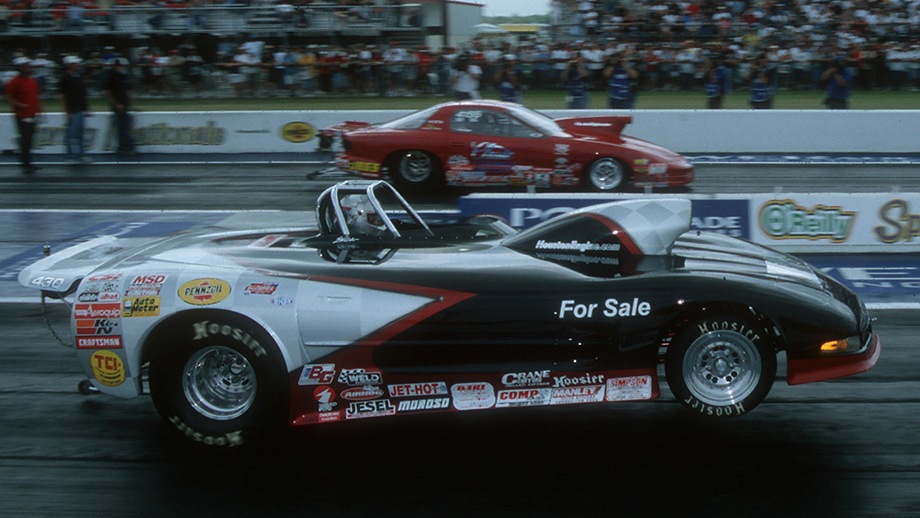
(620, 75)
(839, 80)
(394, 62)
(715, 82)
(72, 90)
(23, 93)
(193, 70)
(466, 78)
(760, 90)
(508, 80)
(118, 91)
(575, 77)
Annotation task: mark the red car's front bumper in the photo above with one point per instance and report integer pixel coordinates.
(807, 370)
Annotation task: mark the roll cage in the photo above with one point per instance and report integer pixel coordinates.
(392, 209)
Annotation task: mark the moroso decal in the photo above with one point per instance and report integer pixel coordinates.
(204, 292)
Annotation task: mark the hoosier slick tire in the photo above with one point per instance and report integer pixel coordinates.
(220, 380)
(416, 171)
(721, 366)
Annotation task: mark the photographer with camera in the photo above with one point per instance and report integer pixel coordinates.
(839, 84)
(575, 78)
(621, 76)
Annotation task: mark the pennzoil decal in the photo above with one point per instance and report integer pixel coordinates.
(204, 292)
(298, 132)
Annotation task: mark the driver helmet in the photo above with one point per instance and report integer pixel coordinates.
(361, 217)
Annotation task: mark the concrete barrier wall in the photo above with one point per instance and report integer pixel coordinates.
(685, 131)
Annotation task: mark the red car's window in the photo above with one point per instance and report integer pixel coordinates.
(490, 123)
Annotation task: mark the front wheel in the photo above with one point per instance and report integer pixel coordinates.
(606, 174)
(219, 380)
(721, 366)
(415, 171)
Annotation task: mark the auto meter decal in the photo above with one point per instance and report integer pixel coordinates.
(108, 368)
(298, 132)
(204, 292)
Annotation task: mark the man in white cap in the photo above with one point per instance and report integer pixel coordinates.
(24, 95)
(72, 89)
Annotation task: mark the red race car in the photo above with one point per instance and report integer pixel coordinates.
(492, 143)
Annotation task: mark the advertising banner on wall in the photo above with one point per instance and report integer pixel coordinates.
(837, 220)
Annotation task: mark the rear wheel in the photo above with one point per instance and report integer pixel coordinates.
(606, 174)
(721, 366)
(219, 380)
(415, 171)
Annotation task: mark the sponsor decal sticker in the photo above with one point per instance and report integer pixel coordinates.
(376, 408)
(523, 397)
(577, 394)
(784, 219)
(145, 286)
(298, 132)
(570, 381)
(140, 307)
(526, 379)
(472, 396)
(899, 223)
(364, 167)
(260, 288)
(204, 292)
(417, 405)
(98, 342)
(362, 393)
(629, 389)
(360, 377)
(108, 368)
(435, 388)
(107, 310)
(317, 374)
(325, 396)
(98, 326)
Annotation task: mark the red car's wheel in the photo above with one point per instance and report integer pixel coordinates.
(606, 174)
(415, 171)
(721, 366)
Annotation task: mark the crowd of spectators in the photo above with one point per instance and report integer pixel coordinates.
(671, 44)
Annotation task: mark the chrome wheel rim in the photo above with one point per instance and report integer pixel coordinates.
(722, 368)
(606, 174)
(219, 383)
(415, 167)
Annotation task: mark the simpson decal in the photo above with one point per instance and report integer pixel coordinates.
(629, 389)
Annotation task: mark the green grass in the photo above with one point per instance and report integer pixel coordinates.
(537, 99)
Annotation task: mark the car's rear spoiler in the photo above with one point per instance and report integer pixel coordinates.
(600, 126)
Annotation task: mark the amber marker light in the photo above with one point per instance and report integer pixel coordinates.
(834, 346)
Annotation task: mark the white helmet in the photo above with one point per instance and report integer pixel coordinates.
(361, 217)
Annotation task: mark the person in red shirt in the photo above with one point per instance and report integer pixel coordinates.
(24, 95)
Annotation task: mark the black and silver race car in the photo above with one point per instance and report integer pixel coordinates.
(376, 313)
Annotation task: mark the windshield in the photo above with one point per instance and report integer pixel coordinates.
(537, 120)
(411, 121)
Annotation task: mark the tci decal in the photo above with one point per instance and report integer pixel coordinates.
(611, 308)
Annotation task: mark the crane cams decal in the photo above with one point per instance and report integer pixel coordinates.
(204, 292)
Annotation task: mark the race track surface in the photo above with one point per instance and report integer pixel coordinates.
(837, 448)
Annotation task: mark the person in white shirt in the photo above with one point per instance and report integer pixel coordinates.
(466, 79)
